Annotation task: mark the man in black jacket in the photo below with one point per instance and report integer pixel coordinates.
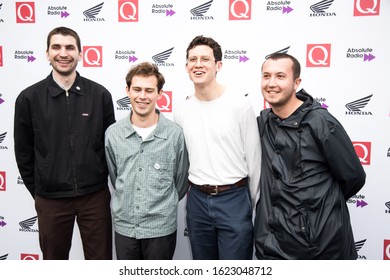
(309, 170)
(59, 147)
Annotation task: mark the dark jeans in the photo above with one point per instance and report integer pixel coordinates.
(56, 217)
(158, 248)
(220, 226)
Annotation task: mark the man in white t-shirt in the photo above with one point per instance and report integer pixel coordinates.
(223, 143)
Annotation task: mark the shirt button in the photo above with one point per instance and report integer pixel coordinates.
(137, 225)
(139, 169)
(137, 207)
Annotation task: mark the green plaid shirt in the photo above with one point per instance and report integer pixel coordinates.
(149, 177)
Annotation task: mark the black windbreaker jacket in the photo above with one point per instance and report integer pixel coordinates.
(309, 170)
(59, 137)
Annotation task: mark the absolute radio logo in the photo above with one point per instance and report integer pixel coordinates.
(387, 205)
(320, 9)
(164, 104)
(128, 10)
(359, 200)
(27, 55)
(3, 257)
(2, 222)
(25, 12)
(363, 8)
(240, 55)
(240, 9)
(58, 11)
(92, 56)
(279, 6)
(92, 13)
(126, 55)
(199, 12)
(364, 54)
(3, 181)
(363, 151)
(322, 101)
(318, 55)
(163, 9)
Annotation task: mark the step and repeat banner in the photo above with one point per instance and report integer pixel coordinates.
(342, 45)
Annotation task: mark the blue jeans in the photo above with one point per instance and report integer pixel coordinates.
(220, 226)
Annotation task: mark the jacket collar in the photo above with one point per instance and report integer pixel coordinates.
(56, 90)
(295, 119)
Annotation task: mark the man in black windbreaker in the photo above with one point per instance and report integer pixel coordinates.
(59, 130)
(309, 170)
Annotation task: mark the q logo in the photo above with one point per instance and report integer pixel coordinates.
(164, 104)
(29, 257)
(25, 12)
(93, 56)
(318, 55)
(240, 9)
(366, 8)
(3, 186)
(363, 151)
(386, 250)
(128, 11)
(1, 56)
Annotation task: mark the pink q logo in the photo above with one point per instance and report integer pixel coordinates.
(1, 56)
(164, 104)
(128, 11)
(240, 9)
(25, 12)
(366, 8)
(29, 257)
(318, 55)
(93, 56)
(363, 151)
(3, 186)
(386, 250)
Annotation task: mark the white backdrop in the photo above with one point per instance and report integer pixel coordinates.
(342, 45)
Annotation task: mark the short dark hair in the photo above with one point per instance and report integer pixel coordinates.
(207, 41)
(146, 69)
(65, 31)
(296, 67)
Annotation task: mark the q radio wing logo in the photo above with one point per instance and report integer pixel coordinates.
(25, 12)
(128, 11)
(363, 151)
(318, 55)
(240, 9)
(93, 56)
(363, 8)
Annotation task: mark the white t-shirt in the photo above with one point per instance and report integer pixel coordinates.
(222, 139)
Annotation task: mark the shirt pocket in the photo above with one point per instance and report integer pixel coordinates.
(161, 173)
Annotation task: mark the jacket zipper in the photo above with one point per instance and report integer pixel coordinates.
(71, 141)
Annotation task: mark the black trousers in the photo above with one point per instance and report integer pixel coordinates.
(56, 219)
(158, 248)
